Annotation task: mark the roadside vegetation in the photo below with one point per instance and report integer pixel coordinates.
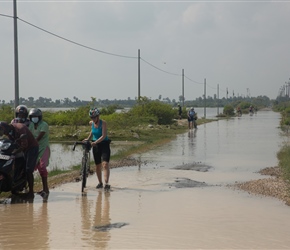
(284, 154)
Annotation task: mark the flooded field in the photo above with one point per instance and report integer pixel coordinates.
(177, 199)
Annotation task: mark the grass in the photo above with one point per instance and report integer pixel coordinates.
(284, 161)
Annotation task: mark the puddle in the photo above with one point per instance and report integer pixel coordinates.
(177, 200)
(194, 166)
(108, 227)
(187, 183)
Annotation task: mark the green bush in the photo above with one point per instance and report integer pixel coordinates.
(229, 110)
(109, 110)
(244, 105)
(284, 160)
(6, 113)
(153, 110)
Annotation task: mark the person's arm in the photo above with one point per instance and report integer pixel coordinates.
(40, 136)
(23, 144)
(89, 137)
(104, 134)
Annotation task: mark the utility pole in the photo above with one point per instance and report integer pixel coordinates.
(138, 74)
(182, 87)
(218, 112)
(204, 98)
(287, 87)
(16, 75)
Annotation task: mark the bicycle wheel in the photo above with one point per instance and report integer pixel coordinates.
(84, 172)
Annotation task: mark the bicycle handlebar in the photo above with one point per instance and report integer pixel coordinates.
(87, 144)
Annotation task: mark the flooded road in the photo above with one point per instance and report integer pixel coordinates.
(178, 199)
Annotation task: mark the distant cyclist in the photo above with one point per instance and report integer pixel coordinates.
(101, 147)
(251, 110)
(239, 111)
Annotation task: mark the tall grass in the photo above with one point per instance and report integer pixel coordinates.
(284, 161)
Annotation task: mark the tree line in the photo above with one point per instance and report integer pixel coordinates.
(43, 102)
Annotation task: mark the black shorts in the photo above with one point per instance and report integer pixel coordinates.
(102, 151)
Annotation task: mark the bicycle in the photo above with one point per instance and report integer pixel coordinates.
(85, 167)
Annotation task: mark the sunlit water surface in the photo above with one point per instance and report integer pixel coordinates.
(146, 209)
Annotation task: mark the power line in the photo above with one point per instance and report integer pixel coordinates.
(97, 50)
(76, 43)
(193, 80)
(159, 68)
(6, 15)
(101, 51)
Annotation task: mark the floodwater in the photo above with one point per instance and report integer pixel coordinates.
(177, 199)
(63, 158)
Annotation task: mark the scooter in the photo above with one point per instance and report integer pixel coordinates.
(12, 168)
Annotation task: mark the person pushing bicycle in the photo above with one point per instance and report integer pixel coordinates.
(101, 147)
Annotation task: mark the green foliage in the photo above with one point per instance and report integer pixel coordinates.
(153, 110)
(284, 109)
(284, 161)
(74, 117)
(125, 120)
(109, 110)
(6, 113)
(244, 105)
(229, 110)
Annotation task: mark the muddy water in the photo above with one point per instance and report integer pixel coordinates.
(177, 200)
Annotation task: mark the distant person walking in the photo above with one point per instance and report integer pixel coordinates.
(40, 131)
(191, 118)
(179, 111)
(101, 147)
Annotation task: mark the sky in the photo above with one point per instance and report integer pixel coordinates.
(87, 49)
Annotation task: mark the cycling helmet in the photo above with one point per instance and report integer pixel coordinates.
(35, 113)
(94, 112)
(5, 127)
(21, 109)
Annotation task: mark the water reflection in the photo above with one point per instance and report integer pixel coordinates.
(63, 157)
(95, 220)
(192, 140)
(25, 221)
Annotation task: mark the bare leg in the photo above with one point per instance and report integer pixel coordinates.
(44, 184)
(99, 172)
(106, 170)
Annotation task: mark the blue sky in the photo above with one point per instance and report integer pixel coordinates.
(242, 46)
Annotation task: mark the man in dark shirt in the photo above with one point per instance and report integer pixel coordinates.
(27, 144)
